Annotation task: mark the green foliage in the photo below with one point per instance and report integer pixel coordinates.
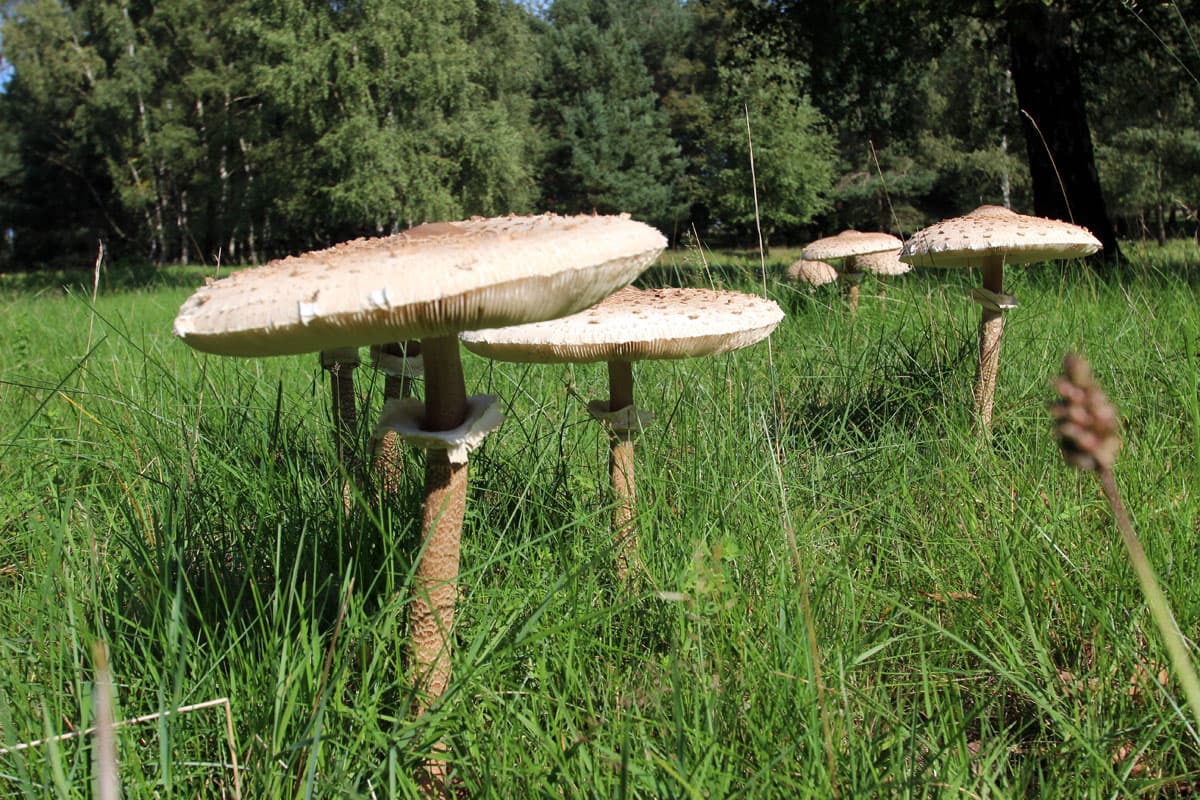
(400, 118)
(1142, 71)
(398, 122)
(793, 152)
(187, 130)
(254, 127)
(608, 146)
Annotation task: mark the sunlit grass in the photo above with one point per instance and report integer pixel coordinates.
(980, 630)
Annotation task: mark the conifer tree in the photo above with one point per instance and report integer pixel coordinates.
(608, 146)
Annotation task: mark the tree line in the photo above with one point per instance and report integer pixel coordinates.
(240, 130)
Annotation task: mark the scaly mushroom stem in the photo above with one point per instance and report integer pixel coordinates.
(620, 467)
(387, 458)
(431, 615)
(341, 363)
(991, 327)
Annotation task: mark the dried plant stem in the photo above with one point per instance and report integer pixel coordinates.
(305, 781)
(1160, 610)
(810, 627)
(105, 772)
(991, 328)
(222, 702)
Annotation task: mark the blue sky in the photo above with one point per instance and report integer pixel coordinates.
(5, 67)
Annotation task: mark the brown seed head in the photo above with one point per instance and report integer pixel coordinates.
(1085, 421)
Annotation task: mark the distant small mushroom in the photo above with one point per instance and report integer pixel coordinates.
(812, 273)
(847, 247)
(428, 283)
(988, 238)
(883, 265)
(633, 325)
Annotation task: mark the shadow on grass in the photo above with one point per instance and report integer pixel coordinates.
(902, 385)
(255, 556)
(559, 521)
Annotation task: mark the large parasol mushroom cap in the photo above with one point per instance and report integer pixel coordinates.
(990, 237)
(636, 325)
(434, 280)
(995, 231)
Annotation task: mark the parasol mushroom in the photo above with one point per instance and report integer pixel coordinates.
(883, 265)
(812, 273)
(633, 325)
(847, 247)
(429, 283)
(988, 238)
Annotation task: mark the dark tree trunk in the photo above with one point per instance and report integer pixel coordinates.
(1062, 164)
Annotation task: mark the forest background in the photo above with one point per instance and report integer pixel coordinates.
(199, 131)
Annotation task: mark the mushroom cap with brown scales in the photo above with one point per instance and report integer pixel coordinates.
(636, 325)
(812, 273)
(849, 244)
(434, 280)
(991, 231)
(883, 263)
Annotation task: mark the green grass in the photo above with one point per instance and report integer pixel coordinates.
(979, 630)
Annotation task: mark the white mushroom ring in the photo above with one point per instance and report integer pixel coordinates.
(405, 414)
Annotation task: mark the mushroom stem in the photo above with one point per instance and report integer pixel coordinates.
(991, 327)
(620, 385)
(431, 615)
(341, 380)
(445, 386)
(387, 459)
(620, 467)
(400, 386)
(851, 277)
(341, 363)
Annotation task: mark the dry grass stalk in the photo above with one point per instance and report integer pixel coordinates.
(223, 702)
(105, 771)
(1088, 431)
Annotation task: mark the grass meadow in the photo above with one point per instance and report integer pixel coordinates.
(850, 592)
